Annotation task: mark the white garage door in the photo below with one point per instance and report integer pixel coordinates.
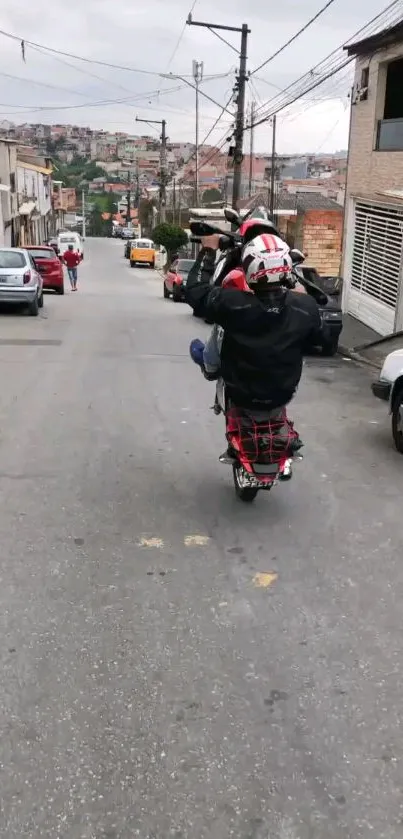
(376, 265)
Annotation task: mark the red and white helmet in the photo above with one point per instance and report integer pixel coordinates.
(266, 260)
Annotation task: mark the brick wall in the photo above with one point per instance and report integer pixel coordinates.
(322, 240)
(370, 171)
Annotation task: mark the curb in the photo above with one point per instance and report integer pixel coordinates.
(350, 352)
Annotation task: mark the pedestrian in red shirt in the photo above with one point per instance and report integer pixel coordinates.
(71, 259)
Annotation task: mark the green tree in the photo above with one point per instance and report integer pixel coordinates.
(111, 208)
(96, 223)
(171, 237)
(212, 195)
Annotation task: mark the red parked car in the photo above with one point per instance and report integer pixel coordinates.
(49, 266)
(176, 278)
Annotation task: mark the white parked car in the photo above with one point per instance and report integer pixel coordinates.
(69, 237)
(389, 387)
(20, 282)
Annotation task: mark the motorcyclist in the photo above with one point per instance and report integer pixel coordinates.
(266, 329)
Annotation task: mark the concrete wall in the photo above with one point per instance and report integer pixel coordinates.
(322, 232)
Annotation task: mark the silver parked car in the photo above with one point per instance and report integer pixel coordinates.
(20, 282)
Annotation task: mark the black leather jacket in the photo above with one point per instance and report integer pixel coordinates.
(265, 336)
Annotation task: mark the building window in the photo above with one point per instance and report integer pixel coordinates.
(393, 94)
(390, 128)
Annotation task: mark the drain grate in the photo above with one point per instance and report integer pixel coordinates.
(29, 342)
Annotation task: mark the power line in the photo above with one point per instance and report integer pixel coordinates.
(80, 69)
(93, 103)
(41, 84)
(335, 57)
(294, 37)
(180, 38)
(192, 156)
(109, 64)
(323, 71)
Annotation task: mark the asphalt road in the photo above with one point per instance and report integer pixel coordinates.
(173, 663)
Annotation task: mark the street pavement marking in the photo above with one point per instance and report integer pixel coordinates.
(151, 542)
(264, 579)
(197, 540)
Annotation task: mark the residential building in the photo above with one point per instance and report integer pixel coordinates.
(9, 219)
(58, 206)
(373, 233)
(34, 191)
(64, 200)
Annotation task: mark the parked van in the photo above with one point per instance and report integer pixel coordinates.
(142, 251)
(70, 237)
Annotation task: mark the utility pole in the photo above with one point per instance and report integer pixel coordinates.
(164, 176)
(273, 168)
(137, 185)
(163, 163)
(251, 147)
(83, 213)
(240, 85)
(174, 201)
(128, 211)
(198, 76)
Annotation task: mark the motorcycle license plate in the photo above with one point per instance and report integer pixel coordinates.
(251, 481)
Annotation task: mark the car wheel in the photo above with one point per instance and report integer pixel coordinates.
(60, 290)
(33, 307)
(132, 264)
(176, 296)
(330, 348)
(166, 292)
(40, 301)
(152, 265)
(397, 420)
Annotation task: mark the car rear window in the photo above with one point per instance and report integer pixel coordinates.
(141, 244)
(12, 259)
(40, 253)
(185, 265)
(68, 240)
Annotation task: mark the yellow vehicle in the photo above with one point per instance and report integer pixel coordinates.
(142, 252)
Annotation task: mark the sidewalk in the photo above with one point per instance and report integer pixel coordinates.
(355, 334)
(355, 338)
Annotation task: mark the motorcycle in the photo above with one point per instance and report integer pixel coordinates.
(262, 446)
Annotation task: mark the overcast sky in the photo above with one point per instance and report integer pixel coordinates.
(147, 36)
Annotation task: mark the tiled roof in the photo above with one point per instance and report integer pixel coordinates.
(310, 201)
(300, 201)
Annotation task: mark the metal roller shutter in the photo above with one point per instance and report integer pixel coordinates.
(376, 265)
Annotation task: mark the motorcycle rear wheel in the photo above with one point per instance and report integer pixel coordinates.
(245, 494)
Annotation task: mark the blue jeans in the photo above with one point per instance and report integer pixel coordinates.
(72, 272)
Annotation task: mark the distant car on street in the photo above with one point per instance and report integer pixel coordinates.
(52, 243)
(330, 312)
(127, 233)
(20, 282)
(67, 238)
(176, 279)
(49, 266)
(142, 252)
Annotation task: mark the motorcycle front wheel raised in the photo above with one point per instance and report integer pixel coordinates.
(245, 494)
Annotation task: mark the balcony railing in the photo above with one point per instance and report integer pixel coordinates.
(390, 135)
